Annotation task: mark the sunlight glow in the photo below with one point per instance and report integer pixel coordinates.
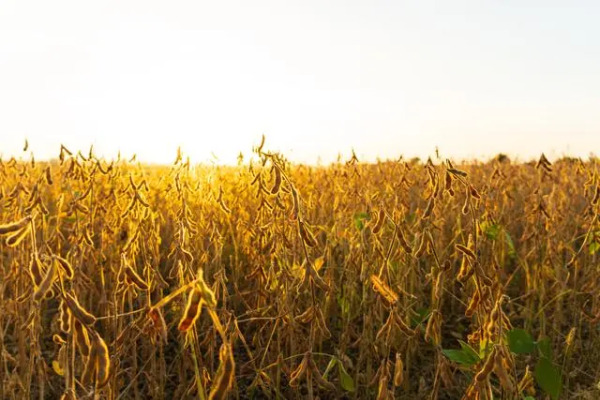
(385, 78)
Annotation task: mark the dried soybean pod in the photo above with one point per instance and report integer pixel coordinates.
(102, 361)
(208, 296)
(82, 339)
(467, 203)
(35, 269)
(455, 171)
(422, 246)
(448, 185)
(299, 372)
(430, 207)
(306, 235)
(225, 374)
(487, 366)
(379, 222)
(402, 240)
(46, 283)
(277, 184)
(14, 226)
(64, 317)
(135, 278)
(78, 311)
(192, 310)
(90, 366)
(158, 322)
(48, 175)
(474, 193)
(17, 237)
(65, 266)
(596, 198)
(398, 370)
(474, 303)
(466, 251)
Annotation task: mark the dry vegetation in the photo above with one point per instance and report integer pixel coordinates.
(272, 280)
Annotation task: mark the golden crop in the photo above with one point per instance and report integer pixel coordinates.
(275, 280)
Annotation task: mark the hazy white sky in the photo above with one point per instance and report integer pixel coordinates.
(317, 77)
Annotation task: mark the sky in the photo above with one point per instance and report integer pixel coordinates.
(317, 78)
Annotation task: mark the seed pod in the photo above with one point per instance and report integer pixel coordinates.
(277, 184)
(398, 371)
(299, 372)
(46, 283)
(455, 171)
(141, 199)
(48, 175)
(382, 390)
(56, 338)
(64, 317)
(35, 269)
(158, 322)
(487, 366)
(379, 223)
(306, 235)
(192, 310)
(189, 258)
(448, 181)
(430, 207)
(402, 241)
(318, 377)
(473, 304)
(596, 198)
(222, 204)
(89, 369)
(14, 226)
(465, 207)
(384, 290)
(87, 238)
(422, 247)
(322, 324)
(385, 328)
(135, 278)
(225, 374)
(17, 237)
(402, 325)
(307, 316)
(206, 293)
(82, 339)
(502, 373)
(473, 192)
(466, 251)
(102, 361)
(527, 381)
(65, 266)
(78, 311)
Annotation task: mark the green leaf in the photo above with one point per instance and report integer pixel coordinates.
(520, 342)
(359, 218)
(548, 377)
(512, 252)
(529, 398)
(491, 230)
(345, 380)
(485, 348)
(422, 315)
(594, 247)
(469, 351)
(344, 304)
(460, 356)
(545, 348)
(329, 367)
